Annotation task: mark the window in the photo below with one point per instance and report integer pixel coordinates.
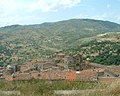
(77, 59)
(108, 75)
(70, 61)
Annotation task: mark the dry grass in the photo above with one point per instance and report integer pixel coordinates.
(45, 88)
(111, 90)
(42, 88)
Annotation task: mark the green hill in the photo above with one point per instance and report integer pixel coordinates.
(19, 43)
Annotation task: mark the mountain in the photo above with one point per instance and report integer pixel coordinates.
(19, 43)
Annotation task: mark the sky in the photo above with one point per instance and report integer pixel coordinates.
(25, 12)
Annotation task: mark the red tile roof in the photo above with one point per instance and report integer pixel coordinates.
(87, 75)
(71, 75)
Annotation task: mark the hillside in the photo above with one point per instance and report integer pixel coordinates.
(103, 48)
(19, 43)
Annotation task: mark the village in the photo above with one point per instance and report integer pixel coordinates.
(61, 67)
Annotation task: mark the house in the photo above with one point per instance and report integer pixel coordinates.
(7, 77)
(100, 71)
(78, 58)
(71, 75)
(52, 74)
(35, 74)
(107, 79)
(73, 63)
(95, 65)
(22, 76)
(60, 55)
(89, 65)
(69, 63)
(113, 71)
(27, 67)
(87, 75)
(61, 66)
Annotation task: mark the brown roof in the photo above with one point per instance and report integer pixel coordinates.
(99, 70)
(87, 75)
(35, 74)
(52, 74)
(96, 65)
(107, 79)
(60, 64)
(114, 70)
(22, 76)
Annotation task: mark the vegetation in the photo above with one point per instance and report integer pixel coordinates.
(98, 41)
(46, 88)
(100, 51)
(107, 52)
(21, 43)
(111, 90)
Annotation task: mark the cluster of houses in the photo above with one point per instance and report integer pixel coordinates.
(61, 67)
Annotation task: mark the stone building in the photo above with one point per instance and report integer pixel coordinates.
(73, 63)
(69, 63)
(78, 62)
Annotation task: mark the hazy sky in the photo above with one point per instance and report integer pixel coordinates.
(39, 11)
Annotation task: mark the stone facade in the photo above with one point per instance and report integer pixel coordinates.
(73, 63)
